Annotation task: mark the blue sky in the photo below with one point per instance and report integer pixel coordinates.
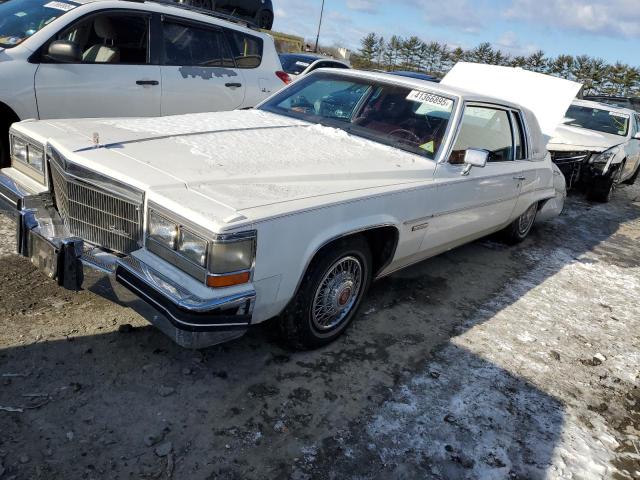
(601, 28)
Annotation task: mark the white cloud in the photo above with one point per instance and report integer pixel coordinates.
(509, 42)
(469, 15)
(366, 6)
(619, 18)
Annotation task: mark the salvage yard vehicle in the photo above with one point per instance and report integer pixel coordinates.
(223, 220)
(598, 148)
(127, 59)
(300, 64)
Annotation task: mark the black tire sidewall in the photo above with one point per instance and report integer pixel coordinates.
(512, 234)
(300, 309)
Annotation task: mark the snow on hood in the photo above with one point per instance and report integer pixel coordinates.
(574, 138)
(546, 96)
(243, 159)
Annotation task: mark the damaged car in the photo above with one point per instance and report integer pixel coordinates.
(597, 148)
(224, 220)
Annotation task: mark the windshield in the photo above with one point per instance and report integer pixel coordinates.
(413, 120)
(296, 64)
(19, 19)
(597, 119)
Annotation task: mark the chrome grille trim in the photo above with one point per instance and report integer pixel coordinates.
(99, 217)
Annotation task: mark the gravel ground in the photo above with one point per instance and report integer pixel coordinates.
(488, 362)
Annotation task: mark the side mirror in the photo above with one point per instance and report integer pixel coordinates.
(474, 157)
(64, 51)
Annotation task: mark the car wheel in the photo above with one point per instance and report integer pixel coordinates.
(632, 180)
(329, 296)
(518, 230)
(603, 191)
(264, 19)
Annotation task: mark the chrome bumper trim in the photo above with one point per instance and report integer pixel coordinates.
(190, 321)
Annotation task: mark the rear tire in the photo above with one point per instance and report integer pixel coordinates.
(519, 229)
(329, 296)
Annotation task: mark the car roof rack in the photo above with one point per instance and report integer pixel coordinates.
(211, 13)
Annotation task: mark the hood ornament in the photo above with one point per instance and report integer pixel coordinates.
(96, 140)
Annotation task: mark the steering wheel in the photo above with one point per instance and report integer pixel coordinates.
(405, 135)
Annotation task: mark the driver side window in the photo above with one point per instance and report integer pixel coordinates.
(115, 38)
(484, 128)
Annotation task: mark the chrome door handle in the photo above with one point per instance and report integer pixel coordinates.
(519, 178)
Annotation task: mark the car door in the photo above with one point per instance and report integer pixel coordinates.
(198, 70)
(482, 201)
(113, 76)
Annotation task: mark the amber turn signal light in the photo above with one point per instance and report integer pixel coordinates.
(228, 280)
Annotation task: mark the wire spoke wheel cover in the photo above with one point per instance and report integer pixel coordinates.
(337, 293)
(525, 222)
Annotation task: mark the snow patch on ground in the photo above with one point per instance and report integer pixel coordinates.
(508, 396)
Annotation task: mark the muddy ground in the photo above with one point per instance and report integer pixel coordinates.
(487, 362)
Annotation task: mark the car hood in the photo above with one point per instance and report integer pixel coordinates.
(240, 160)
(567, 138)
(546, 96)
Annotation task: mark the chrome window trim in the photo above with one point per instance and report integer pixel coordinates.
(23, 167)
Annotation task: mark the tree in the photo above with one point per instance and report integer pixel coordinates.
(410, 52)
(537, 62)
(597, 76)
(369, 49)
(483, 53)
(392, 52)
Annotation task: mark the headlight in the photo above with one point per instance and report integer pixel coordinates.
(35, 157)
(27, 153)
(192, 247)
(162, 230)
(218, 260)
(604, 157)
(19, 149)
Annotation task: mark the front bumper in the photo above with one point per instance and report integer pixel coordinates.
(189, 319)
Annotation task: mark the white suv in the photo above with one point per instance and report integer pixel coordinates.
(118, 58)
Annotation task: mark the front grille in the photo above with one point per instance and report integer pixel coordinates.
(98, 217)
(569, 157)
(570, 164)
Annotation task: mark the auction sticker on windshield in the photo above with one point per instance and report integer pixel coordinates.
(619, 115)
(429, 98)
(65, 7)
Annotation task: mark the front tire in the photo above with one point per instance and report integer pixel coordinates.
(329, 296)
(602, 191)
(632, 180)
(519, 229)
